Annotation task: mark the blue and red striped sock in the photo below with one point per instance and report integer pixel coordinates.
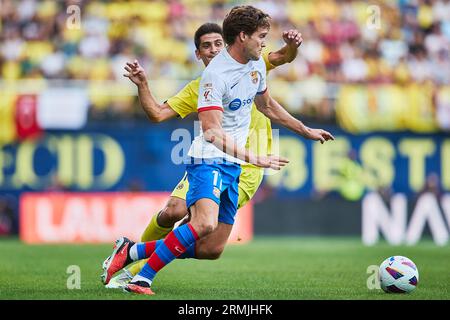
(145, 250)
(175, 244)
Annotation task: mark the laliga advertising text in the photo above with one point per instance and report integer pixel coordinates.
(231, 310)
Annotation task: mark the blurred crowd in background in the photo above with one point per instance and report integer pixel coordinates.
(366, 66)
(388, 51)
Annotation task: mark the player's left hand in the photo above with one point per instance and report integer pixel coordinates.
(318, 135)
(292, 38)
(270, 161)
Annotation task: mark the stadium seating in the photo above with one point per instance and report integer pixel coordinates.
(354, 58)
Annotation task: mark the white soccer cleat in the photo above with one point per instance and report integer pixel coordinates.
(120, 281)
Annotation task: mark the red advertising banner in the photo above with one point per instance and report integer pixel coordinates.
(101, 217)
(26, 117)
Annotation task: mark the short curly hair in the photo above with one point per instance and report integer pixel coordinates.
(205, 29)
(245, 19)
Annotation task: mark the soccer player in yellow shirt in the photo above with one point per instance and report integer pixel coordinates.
(208, 41)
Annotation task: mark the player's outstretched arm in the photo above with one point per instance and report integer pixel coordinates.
(275, 112)
(156, 112)
(211, 122)
(293, 39)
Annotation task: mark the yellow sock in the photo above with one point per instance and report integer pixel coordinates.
(136, 267)
(154, 231)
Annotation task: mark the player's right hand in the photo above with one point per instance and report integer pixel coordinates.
(135, 73)
(270, 161)
(292, 38)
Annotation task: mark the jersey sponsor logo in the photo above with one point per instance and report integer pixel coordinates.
(235, 104)
(247, 102)
(254, 75)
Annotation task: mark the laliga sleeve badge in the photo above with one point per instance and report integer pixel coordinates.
(207, 96)
(207, 89)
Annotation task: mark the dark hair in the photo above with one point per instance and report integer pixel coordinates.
(206, 28)
(243, 18)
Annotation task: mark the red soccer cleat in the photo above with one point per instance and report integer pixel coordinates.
(118, 259)
(140, 287)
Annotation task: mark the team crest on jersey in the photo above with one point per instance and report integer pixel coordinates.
(180, 186)
(254, 75)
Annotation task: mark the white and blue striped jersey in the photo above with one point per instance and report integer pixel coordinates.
(228, 86)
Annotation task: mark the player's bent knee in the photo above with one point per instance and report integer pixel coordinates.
(207, 228)
(204, 228)
(174, 211)
(177, 206)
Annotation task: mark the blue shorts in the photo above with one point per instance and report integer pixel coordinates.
(215, 181)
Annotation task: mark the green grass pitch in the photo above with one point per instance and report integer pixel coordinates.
(267, 268)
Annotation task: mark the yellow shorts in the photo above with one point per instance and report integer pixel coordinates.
(249, 182)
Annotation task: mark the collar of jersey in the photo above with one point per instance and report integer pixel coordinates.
(228, 56)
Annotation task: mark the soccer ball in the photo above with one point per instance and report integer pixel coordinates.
(398, 275)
